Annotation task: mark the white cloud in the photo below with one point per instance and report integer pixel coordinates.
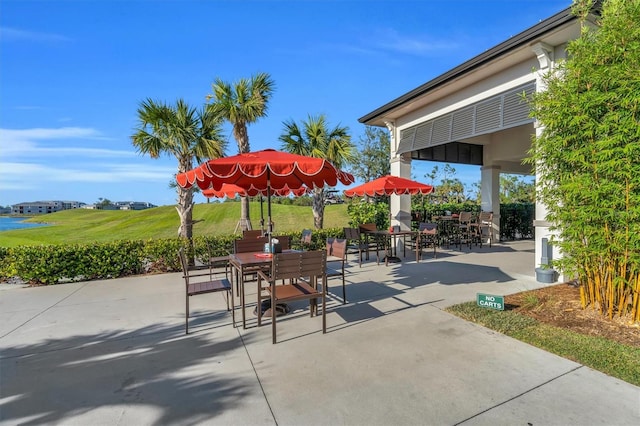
(35, 176)
(389, 43)
(391, 40)
(23, 143)
(8, 34)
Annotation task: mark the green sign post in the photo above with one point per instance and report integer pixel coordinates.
(490, 301)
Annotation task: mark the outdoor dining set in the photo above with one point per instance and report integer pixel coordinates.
(283, 274)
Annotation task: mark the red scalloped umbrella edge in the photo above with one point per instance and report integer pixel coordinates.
(388, 185)
(267, 170)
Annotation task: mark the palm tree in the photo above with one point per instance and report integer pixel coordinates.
(242, 104)
(316, 140)
(186, 134)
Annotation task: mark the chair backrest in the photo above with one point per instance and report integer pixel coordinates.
(338, 248)
(485, 218)
(465, 217)
(251, 233)
(298, 264)
(428, 228)
(313, 264)
(285, 241)
(183, 261)
(246, 245)
(328, 245)
(368, 227)
(352, 234)
(305, 239)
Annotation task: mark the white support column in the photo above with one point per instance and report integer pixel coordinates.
(546, 58)
(401, 204)
(490, 195)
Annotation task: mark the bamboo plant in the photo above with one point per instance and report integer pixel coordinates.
(587, 157)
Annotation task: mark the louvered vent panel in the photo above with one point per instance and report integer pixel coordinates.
(406, 140)
(423, 136)
(462, 126)
(488, 115)
(441, 130)
(516, 108)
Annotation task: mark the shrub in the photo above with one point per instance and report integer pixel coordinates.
(53, 264)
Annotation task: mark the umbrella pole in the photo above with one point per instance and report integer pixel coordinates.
(269, 227)
(261, 214)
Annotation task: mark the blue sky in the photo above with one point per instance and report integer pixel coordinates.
(72, 74)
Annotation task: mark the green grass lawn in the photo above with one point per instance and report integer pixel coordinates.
(81, 225)
(612, 358)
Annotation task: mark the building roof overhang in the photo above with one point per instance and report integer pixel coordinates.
(556, 30)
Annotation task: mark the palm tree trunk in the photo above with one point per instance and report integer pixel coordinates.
(245, 219)
(242, 137)
(318, 207)
(185, 211)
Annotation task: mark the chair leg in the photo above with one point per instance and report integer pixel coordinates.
(259, 305)
(233, 307)
(344, 291)
(273, 313)
(324, 312)
(186, 316)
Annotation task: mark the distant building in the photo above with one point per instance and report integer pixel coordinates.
(42, 207)
(101, 207)
(121, 205)
(134, 205)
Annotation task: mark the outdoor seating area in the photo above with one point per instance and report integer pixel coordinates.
(115, 351)
(265, 282)
(256, 265)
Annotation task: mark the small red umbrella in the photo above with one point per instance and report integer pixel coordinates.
(230, 190)
(388, 185)
(266, 170)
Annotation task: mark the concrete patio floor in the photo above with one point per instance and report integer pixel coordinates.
(114, 352)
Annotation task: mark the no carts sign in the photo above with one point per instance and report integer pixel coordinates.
(490, 301)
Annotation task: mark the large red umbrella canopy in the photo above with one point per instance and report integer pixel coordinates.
(265, 170)
(268, 170)
(388, 185)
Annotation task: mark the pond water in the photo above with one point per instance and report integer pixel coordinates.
(7, 223)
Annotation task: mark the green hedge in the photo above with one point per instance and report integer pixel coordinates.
(53, 264)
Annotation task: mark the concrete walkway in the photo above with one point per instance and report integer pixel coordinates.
(114, 352)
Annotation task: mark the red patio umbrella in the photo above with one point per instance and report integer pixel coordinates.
(268, 170)
(388, 185)
(231, 191)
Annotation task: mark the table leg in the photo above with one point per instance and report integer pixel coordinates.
(392, 250)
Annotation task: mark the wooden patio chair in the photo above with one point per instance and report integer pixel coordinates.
(355, 244)
(291, 267)
(483, 222)
(199, 281)
(305, 239)
(463, 229)
(249, 245)
(427, 236)
(336, 260)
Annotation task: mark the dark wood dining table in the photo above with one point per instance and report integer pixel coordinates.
(390, 242)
